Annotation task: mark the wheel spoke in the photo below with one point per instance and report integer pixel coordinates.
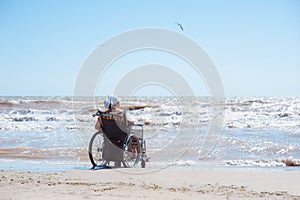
(132, 152)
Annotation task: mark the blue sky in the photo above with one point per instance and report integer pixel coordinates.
(255, 45)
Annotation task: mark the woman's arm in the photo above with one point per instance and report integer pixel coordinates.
(98, 124)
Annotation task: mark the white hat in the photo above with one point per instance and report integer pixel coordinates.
(110, 99)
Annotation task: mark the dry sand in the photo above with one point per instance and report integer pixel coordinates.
(170, 183)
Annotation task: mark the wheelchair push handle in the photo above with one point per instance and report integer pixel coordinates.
(98, 113)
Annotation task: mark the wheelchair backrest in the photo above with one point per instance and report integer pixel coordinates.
(114, 126)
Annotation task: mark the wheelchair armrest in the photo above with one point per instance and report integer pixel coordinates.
(137, 125)
(137, 129)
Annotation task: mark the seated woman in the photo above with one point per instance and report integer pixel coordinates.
(116, 123)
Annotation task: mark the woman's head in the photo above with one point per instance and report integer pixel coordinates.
(111, 102)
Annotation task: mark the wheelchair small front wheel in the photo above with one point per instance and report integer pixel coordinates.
(143, 163)
(96, 146)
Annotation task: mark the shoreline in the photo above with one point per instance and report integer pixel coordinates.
(63, 165)
(169, 183)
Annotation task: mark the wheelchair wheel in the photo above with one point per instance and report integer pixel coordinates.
(96, 150)
(143, 164)
(131, 151)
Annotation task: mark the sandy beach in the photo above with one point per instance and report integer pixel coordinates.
(170, 183)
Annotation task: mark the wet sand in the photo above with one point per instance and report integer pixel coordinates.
(170, 183)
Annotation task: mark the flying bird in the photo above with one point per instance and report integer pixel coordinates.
(179, 25)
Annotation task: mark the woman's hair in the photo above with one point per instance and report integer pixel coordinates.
(110, 100)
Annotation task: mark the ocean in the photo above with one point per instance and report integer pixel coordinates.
(52, 133)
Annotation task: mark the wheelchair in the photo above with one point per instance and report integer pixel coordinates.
(118, 142)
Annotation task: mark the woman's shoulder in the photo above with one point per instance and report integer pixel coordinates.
(118, 111)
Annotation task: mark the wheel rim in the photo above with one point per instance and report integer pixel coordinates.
(130, 157)
(96, 150)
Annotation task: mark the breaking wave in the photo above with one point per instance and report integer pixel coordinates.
(257, 131)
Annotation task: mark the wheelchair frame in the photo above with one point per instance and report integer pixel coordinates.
(102, 150)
